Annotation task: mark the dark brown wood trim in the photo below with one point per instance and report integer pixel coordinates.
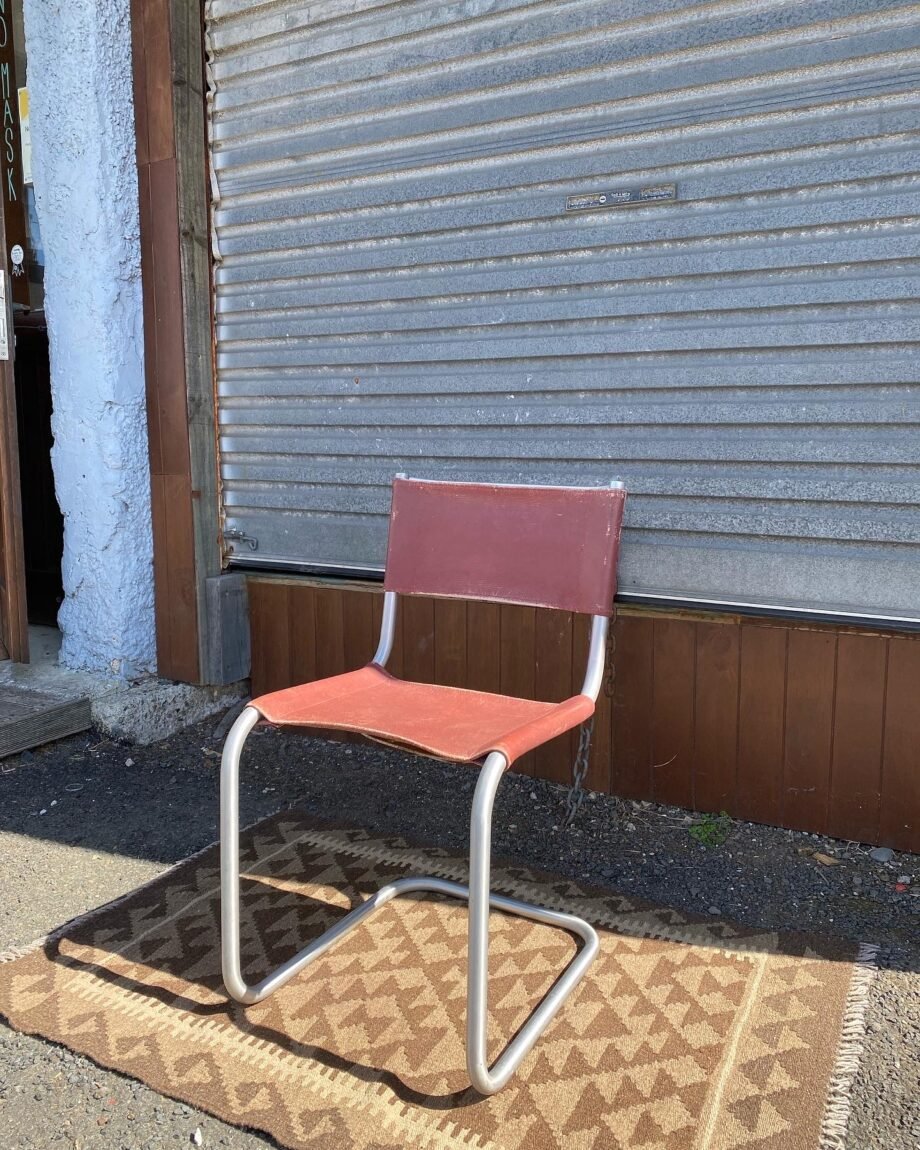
(175, 267)
(14, 623)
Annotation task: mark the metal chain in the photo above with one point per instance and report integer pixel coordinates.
(576, 795)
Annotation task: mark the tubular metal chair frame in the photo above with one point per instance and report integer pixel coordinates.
(485, 1078)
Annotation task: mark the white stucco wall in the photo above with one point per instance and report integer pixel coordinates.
(82, 121)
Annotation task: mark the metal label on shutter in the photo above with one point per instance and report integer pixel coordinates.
(621, 197)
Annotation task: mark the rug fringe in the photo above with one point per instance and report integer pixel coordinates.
(20, 951)
(850, 1051)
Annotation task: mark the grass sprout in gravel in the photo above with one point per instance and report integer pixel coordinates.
(85, 820)
(711, 830)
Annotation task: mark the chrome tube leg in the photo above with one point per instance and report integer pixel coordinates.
(477, 995)
(230, 855)
(485, 1079)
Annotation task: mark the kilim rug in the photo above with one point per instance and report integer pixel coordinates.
(686, 1034)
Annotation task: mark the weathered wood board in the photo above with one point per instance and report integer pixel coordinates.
(31, 718)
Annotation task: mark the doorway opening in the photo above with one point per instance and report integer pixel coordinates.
(42, 522)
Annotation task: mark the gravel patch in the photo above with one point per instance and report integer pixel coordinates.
(85, 819)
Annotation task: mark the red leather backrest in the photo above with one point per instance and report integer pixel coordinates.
(542, 546)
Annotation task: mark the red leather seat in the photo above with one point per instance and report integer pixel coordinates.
(447, 722)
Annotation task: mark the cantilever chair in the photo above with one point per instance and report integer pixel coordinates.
(541, 546)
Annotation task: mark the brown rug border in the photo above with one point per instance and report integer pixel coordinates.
(851, 1044)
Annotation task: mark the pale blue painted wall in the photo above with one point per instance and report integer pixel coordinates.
(82, 121)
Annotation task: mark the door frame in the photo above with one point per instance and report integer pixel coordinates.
(200, 611)
(14, 621)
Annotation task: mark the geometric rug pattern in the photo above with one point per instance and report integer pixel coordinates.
(686, 1033)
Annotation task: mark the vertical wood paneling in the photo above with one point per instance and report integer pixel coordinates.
(899, 825)
(517, 659)
(328, 613)
(553, 682)
(269, 617)
(483, 621)
(715, 742)
(859, 715)
(761, 716)
(673, 695)
(796, 725)
(418, 638)
(809, 729)
(302, 629)
(450, 642)
(631, 712)
(358, 641)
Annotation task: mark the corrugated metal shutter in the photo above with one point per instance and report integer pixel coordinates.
(401, 288)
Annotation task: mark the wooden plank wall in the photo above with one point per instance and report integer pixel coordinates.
(813, 727)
